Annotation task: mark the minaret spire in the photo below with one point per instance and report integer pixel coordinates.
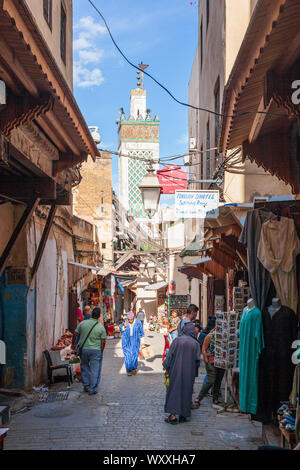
(140, 75)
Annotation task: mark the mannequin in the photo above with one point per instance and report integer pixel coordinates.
(275, 307)
(251, 304)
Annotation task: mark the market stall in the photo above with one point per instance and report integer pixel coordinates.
(271, 235)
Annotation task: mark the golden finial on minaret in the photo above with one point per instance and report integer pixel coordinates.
(140, 74)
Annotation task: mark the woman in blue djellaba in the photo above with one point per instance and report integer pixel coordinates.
(132, 331)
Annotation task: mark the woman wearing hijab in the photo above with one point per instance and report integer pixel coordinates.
(132, 331)
(182, 365)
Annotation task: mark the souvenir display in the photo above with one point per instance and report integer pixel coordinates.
(179, 303)
(226, 340)
(240, 297)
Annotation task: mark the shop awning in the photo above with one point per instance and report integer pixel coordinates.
(157, 286)
(77, 271)
(259, 111)
(191, 271)
(204, 259)
(125, 281)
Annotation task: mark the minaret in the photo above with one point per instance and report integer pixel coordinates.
(138, 137)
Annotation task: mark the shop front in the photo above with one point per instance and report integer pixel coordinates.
(261, 114)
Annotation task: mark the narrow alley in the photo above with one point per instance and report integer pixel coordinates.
(128, 413)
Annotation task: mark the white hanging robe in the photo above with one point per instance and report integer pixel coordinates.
(278, 248)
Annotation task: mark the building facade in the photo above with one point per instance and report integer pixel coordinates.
(43, 139)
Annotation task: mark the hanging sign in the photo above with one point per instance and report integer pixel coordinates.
(172, 178)
(192, 204)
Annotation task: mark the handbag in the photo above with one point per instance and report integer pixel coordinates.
(79, 347)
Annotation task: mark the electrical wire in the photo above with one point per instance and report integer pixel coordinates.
(244, 113)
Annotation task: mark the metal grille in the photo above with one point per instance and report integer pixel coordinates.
(49, 397)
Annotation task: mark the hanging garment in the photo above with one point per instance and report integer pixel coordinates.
(276, 369)
(278, 248)
(259, 277)
(251, 345)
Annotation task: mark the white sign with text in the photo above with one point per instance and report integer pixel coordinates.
(191, 204)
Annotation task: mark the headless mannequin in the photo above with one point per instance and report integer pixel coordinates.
(276, 305)
(250, 304)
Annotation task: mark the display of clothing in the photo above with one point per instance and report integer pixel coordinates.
(259, 277)
(251, 345)
(276, 369)
(277, 250)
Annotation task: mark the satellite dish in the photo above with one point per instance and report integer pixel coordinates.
(95, 134)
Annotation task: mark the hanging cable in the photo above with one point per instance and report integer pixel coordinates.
(168, 91)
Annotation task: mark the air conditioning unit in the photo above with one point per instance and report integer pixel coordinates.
(193, 143)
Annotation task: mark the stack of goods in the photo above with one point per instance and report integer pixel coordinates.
(64, 341)
(287, 417)
(226, 340)
(240, 297)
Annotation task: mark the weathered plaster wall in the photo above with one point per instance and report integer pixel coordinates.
(52, 35)
(92, 200)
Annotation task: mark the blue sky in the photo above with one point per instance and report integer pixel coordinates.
(161, 33)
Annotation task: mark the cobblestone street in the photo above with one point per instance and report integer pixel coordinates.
(128, 413)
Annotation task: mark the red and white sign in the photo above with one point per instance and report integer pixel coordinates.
(172, 178)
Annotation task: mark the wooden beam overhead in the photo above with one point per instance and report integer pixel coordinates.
(64, 199)
(259, 120)
(22, 189)
(27, 214)
(10, 59)
(43, 242)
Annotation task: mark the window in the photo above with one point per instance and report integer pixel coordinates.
(217, 118)
(63, 33)
(201, 44)
(103, 245)
(47, 8)
(207, 13)
(207, 151)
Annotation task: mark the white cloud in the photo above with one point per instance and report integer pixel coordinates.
(84, 78)
(88, 25)
(91, 56)
(87, 52)
(81, 43)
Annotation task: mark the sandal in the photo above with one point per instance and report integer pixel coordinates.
(171, 420)
(195, 405)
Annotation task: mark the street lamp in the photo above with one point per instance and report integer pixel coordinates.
(150, 189)
(151, 269)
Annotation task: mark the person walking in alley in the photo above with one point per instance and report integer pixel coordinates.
(141, 316)
(173, 325)
(132, 332)
(181, 363)
(190, 316)
(214, 374)
(87, 312)
(93, 339)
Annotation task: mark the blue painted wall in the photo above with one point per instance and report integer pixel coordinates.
(14, 305)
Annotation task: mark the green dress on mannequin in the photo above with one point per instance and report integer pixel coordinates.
(251, 345)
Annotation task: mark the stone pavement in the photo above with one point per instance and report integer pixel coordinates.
(128, 414)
